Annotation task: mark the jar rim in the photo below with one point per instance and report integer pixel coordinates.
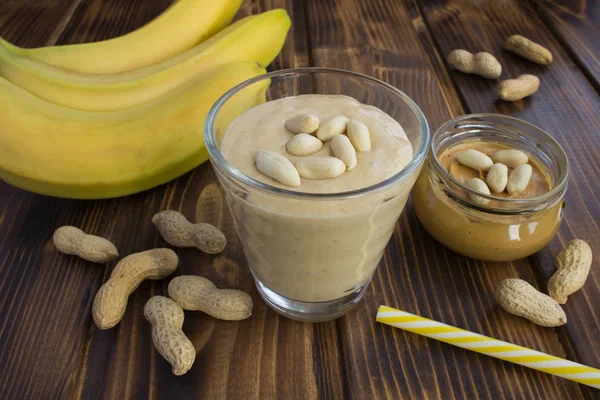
(217, 157)
(508, 204)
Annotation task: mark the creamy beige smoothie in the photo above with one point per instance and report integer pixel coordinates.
(315, 250)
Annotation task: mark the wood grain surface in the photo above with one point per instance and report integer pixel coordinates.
(575, 25)
(50, 348)
(566, 106)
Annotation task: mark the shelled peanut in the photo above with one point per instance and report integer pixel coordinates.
(346, 137)
(303, 144)
(479, 186)
(497, 177)
(304, 123)
(495, 170)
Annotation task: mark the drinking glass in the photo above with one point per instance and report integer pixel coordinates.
(312, 255)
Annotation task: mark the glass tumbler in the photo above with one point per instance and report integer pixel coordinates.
(313, 255)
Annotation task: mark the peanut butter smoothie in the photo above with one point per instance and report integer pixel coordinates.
(310, 248)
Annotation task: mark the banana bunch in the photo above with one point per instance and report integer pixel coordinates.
(116, 117)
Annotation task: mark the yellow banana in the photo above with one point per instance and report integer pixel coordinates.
(62, 152)
(257, 38)
(181, 26)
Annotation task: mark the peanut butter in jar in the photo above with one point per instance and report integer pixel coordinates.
(505, 226)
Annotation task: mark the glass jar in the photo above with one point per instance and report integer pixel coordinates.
(506, 229)
(313, 255)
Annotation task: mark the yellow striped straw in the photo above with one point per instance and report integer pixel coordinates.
(489, 346)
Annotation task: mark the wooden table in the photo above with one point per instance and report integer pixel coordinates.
(50, 348)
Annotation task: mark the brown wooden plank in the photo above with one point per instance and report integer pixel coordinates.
(567, 107)
(451, 96)
(417, 274)
(45, 296)
(576, 24)
(37, 23)
(42, 333)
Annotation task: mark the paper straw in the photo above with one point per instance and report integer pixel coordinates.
(489, 346)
